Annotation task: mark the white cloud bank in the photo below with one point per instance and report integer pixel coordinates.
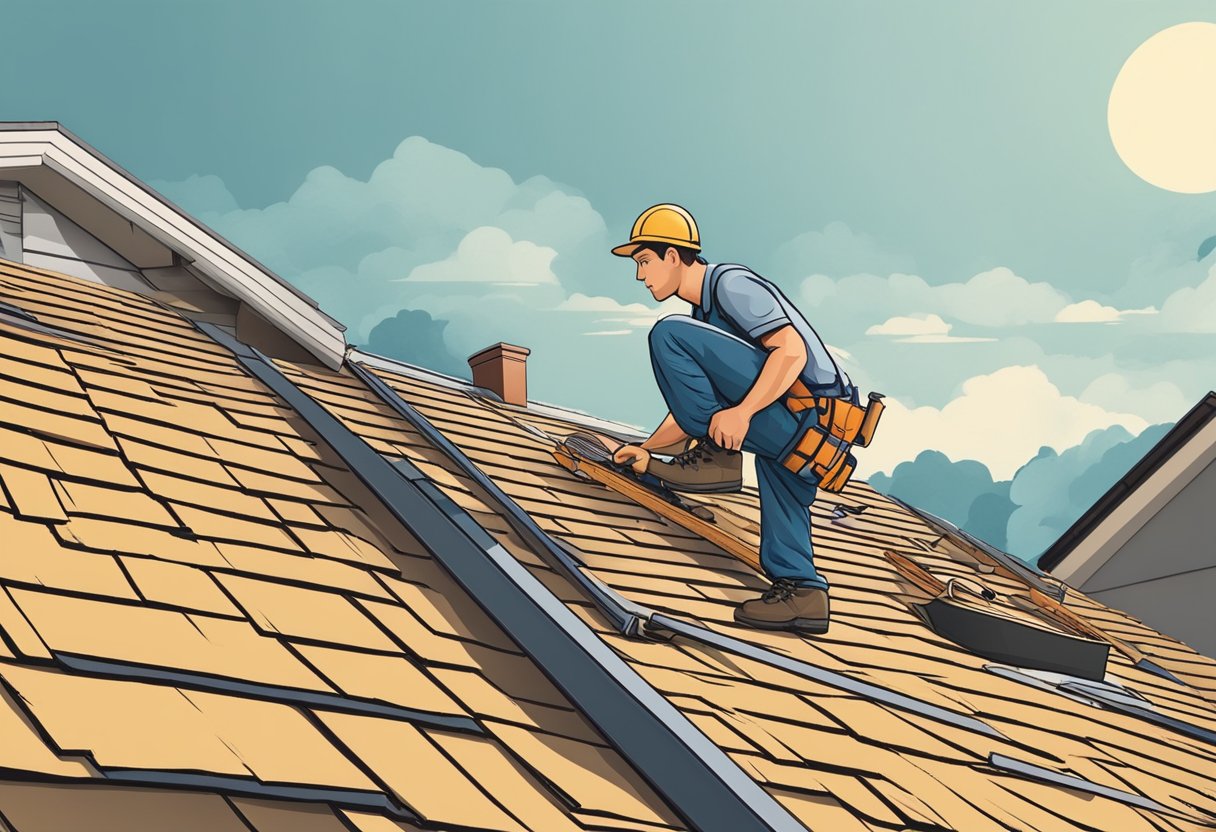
(1001, 419)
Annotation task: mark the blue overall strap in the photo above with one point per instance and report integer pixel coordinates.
(839, 389)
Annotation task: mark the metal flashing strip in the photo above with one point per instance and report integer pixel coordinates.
(349, 798)
(1103, 695)
(624, 619)
(1046, 775)
(356, 356)
(618, 429)
(1144, 710)
(16, 311)
(690, 772)
(273, 693)
(629, 617)
(18, 317)
(827, 677)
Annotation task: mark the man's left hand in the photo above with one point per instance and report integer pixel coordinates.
(728, 427)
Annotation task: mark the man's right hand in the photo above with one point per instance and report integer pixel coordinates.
(633, 455)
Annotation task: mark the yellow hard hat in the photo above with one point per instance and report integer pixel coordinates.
(664, 223)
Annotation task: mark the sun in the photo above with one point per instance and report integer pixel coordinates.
(1162, 111)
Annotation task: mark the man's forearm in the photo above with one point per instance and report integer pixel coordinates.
(780, 371)
(665, 435)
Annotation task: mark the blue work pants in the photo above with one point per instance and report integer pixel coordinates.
(700, 370)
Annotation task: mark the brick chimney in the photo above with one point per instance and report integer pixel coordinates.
(503, 368)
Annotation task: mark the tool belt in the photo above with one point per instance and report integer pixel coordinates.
(826, 444)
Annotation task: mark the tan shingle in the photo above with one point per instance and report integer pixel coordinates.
(392, 679)
(160, 638)
(123, 724)
(125, 538)
(302, 568)
(222, 498)
(31, 554)
(24, 750)
(80, 431)
(306, 613)
(31, 494)
(35, 807)
(177, 585)
(418, 773)
(281, 816)
(174, 461)
(216, 526)
(104, 501)
(591, 775)
(485, 762)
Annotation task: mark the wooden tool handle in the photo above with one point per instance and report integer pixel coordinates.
(1065, 615)
(915, 574)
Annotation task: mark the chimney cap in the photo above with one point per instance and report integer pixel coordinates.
(501, 349)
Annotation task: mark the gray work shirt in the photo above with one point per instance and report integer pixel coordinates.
(741, 302)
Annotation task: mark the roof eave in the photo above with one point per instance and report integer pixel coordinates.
(30, 144)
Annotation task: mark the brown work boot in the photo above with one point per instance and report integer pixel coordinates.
(703, 468)
(787, 606)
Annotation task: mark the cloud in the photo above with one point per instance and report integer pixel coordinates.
(199, 194)
(1001, 419)
(415, 337)
(1191, 308)
(911, 325)
(837, 250)
(1054, 489)
(920, 329)
(995, 298)
(489, 255)
(1092, 312)
(1045, 497)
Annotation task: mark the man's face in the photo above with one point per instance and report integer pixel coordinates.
(660, 274)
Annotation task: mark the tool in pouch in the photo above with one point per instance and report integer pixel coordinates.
(825, 446)
(827, 443)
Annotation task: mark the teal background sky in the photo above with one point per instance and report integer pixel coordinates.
(933, 182)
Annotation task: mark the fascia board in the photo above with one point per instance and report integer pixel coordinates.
(1137, 508)
(231, 271)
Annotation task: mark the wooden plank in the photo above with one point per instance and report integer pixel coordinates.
(623, 485)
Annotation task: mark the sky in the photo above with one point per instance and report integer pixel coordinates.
(934, 184)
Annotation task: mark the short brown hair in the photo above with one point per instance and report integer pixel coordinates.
(687, 256)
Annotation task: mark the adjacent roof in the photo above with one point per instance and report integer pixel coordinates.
(47, 157)
(1155, 479)
(212, 615)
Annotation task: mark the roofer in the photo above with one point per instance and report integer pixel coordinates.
(725, 374)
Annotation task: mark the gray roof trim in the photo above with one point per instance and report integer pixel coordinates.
(828, 677)
(635, 619)
(1183, 431)
(49, 146)
(1102, 696)
(1144, 711)
(255, 690)
(1046, 775)
(18, 317)
(380, 362)
(228, 784)
(32, 126)
(697, 778)
(625, 620)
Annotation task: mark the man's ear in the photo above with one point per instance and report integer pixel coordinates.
(672, 256)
